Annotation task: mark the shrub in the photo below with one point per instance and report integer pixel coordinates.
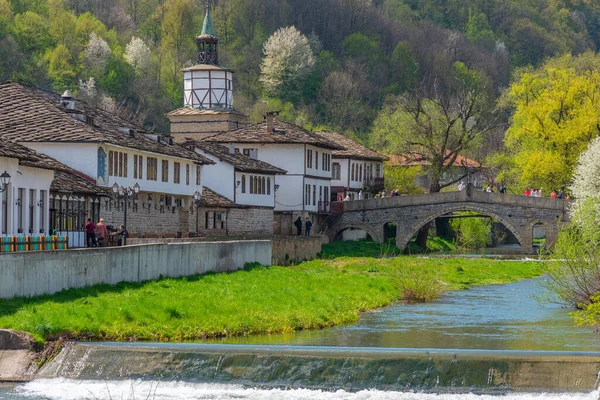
(417, 286)
(472, 233)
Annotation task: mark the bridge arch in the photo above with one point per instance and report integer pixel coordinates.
(375, 232)
(411, 230)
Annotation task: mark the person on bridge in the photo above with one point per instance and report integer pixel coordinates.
(298, 225)
(553, 194)
(461, 186)
(360, 195)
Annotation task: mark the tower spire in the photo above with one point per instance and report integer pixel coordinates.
(207, 27)
(208, 41)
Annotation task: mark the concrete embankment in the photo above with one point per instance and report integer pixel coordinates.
(16, 356)
(48, 272)
(332, 368)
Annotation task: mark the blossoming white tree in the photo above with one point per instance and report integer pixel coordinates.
(137, 54)
(586, 182)
(97, 52)
(288, 59)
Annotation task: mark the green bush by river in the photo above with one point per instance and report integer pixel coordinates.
(310, 295)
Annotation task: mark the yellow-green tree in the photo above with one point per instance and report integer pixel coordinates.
(556, 113)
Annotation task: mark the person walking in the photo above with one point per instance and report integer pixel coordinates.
(308, 226)
(90, 233)
(101, 233)
(298, 225)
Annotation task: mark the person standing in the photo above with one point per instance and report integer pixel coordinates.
(101, 233)
(461, 186)
(90, 233)
(121, 234)
(298, 225)
(308, 226)
(360, 195)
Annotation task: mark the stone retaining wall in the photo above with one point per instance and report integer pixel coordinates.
(47, 272)
(289, 249)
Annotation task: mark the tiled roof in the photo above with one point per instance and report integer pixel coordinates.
(29, 114)
(239, 161)
(283, 133)
(212, 199)
(196, 111)
(353, 149)
(412, 160)
(65, 178)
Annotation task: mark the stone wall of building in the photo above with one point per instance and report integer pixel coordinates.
(292, 249)
(199, 126)
(240, 222)
(144, 220)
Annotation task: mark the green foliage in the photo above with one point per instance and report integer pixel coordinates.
(360, 248)
(403, 179)
(574, 274)
(472, 233)
(310, 295)
(555, 117)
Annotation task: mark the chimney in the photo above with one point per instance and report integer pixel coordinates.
(67, 100)
(269, 116)
(232, 148)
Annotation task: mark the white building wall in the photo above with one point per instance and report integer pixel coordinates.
(170, 187)
(357, 182)
(287, 156)
(319, 191)
(317, 168)
(344, 179)
(220, 177)
(35, 198)
(82, 157)
(254, 199)
(289, 196)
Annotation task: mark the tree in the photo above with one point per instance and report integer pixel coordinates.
(287, 60)
(96, 53)
(61, 69)
(137, 54)
(586, 181)
(402, 179)
(434, 127)
(556, 113)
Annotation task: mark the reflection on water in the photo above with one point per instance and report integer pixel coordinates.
(498, 317)
(64, 389)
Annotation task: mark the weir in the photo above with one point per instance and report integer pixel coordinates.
(331, 368)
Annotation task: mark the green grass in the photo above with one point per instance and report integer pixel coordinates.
(310, 295)
(359, 248)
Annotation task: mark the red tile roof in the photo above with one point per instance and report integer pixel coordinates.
(412, 160)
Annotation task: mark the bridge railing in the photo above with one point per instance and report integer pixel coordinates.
(452, 197)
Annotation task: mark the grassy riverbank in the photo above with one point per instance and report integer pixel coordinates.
(310, 295)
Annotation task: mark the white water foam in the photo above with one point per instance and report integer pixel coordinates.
(65, 389)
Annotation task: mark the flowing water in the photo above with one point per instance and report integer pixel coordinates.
(500, 317)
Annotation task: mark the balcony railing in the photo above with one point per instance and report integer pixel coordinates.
(324, 206)
(374, 183)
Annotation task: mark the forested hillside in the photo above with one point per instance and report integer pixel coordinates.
(127, 54)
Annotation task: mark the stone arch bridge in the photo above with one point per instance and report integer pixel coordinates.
(519, 214)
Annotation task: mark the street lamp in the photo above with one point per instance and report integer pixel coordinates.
(125, 194)
(4, 180)
(197, 199)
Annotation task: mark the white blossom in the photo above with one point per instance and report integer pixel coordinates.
(97, 52)
(137, 54)
(586, 182)
(87, 90)
(288, 59)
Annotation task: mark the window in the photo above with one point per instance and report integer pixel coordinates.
(314, 195)
(243, 183)
(135, 166)
(151, 169)
(187, 174)
(198, 175)
(117, 163)
(264, 185)
(32, 204)
(252, 153)
(337, 171)
(360, 174)
(140, 167)
(20, 216)
(5, 212)
(316, 160)
(307, 194)
(165, 171)
(268, 186)
(377, 170)
(176, 172)
(320, 193)
(352, 176)
(43, 207)
(308, 158)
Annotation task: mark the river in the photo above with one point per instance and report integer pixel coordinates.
(498, 317)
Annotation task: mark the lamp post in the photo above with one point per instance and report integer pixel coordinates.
(4, 180)
(197, 199)
(124, 195)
